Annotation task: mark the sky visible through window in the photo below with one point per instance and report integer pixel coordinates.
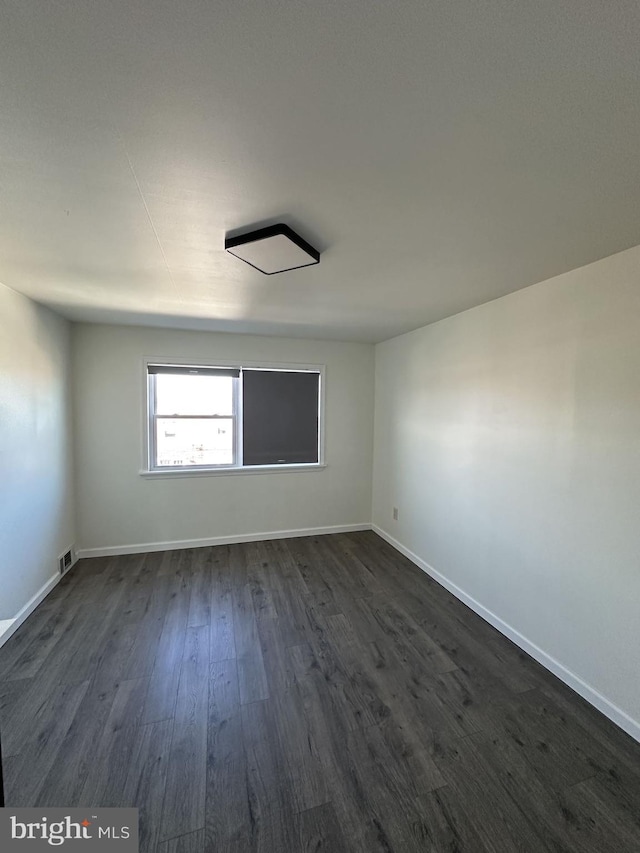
(193, 440)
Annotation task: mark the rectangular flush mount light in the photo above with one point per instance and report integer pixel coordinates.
(276, 248)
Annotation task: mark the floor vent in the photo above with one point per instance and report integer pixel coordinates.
(65, 561)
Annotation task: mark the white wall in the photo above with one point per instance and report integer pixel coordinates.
(509, 438)
(119, 508)
(36, 480)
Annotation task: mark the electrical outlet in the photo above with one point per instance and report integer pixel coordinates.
(395, 513)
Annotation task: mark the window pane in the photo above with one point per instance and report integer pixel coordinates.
(280, 417)
(194, 395)
(191, 441)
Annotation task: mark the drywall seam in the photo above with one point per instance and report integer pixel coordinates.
(604, 705)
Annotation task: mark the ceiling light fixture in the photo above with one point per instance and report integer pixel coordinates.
(276, 248)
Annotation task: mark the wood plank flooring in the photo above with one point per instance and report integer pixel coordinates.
(316, 694)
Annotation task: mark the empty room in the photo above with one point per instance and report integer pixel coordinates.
(320, 426)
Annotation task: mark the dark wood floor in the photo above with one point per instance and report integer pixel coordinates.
(317, 694)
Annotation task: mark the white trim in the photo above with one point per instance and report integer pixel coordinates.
(239, 363)
(604, 705)
(5, 624)
(29, 607)
(175, 544)
(229, 470)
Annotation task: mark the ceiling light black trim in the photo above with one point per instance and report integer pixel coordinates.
(272, 231)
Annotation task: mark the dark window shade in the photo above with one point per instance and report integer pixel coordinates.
(280, 417)
(193, 371)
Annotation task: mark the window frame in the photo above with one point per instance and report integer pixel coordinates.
(153, 417)
(149, 417)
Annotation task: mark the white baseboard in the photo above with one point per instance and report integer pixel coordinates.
(11, 625)
(604, 705)
(175, 544)
(5, 625)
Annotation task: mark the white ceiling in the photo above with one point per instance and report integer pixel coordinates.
(440, 153)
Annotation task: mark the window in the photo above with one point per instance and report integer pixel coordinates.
(203, 417)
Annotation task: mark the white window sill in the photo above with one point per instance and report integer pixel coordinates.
(162, 473)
